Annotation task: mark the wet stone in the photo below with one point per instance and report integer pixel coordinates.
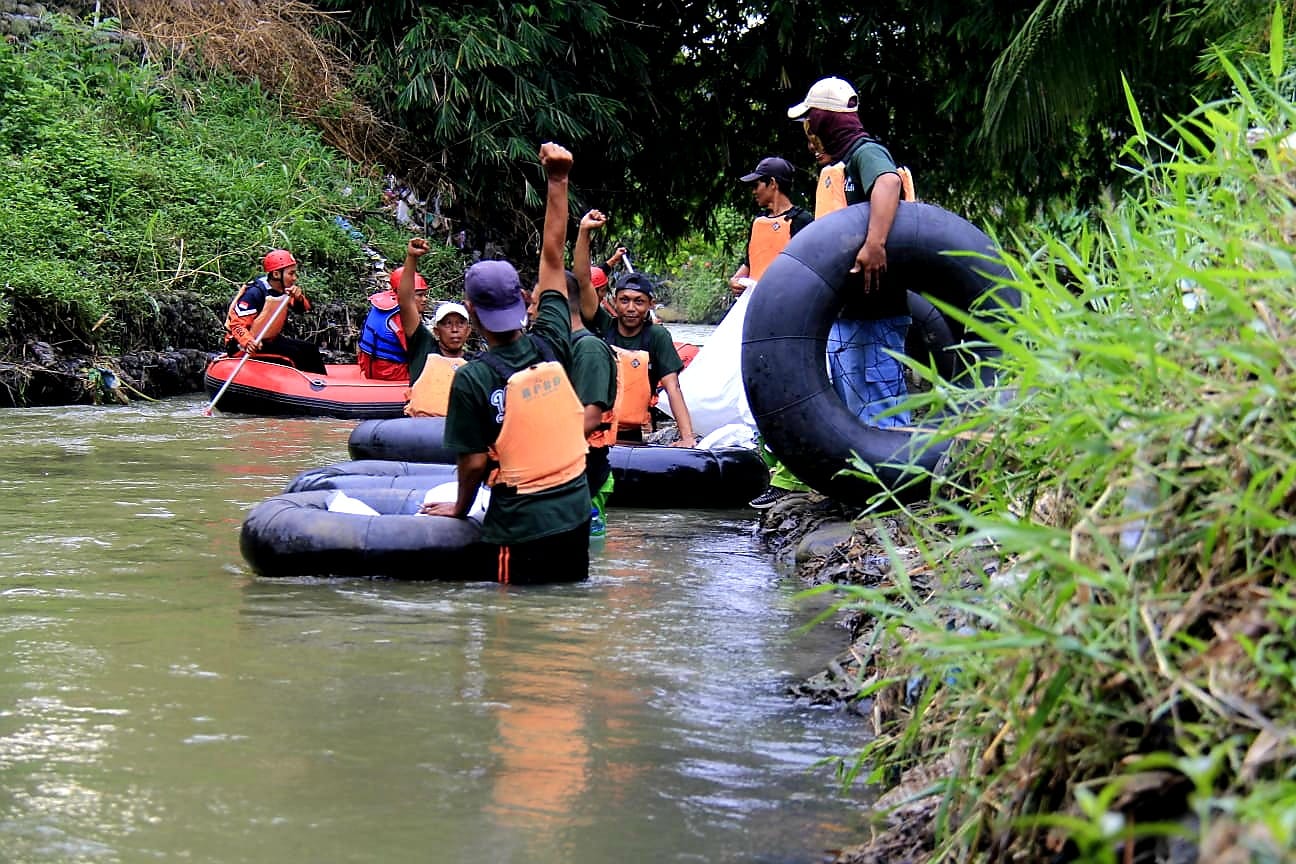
(824, 540)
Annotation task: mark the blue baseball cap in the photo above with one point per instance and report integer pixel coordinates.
(494, 289)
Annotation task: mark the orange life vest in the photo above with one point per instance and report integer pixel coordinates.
(541, 442)
(769, 237)
(272, 323)
(634, 390)
(430, 395)
(830, 194)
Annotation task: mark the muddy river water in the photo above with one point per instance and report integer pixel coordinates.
(160, 703)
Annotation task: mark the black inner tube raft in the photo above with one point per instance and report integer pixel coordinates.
(785, 332)
(295, 535)
(646, 475)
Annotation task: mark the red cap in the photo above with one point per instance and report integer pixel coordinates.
(598, 277)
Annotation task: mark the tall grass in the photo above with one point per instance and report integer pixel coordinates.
(1120, 677)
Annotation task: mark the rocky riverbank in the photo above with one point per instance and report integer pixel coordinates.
(828, 543)
(167, 355)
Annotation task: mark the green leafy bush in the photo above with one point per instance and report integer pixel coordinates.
(128, 183)
(695, 272)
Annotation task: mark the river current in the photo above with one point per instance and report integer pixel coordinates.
(160, 702)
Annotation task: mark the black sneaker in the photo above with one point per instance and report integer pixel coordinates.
(767, 498)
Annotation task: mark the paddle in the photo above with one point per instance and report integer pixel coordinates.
(274, 316)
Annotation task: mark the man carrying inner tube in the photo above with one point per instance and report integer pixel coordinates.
(515, 420)
(858, 169)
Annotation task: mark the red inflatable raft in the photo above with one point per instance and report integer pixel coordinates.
(266, 388)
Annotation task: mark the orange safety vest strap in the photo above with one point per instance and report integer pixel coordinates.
(430, 395)
(634, 391)
(769, 237)
(541, 443)
(830, 194)
(605, 435)
(906, 184)
(502, 574)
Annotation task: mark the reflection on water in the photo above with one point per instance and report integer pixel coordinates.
(159, 702)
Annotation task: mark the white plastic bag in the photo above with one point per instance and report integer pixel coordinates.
(344, 503)
(448, 493)
(712, 384)
(732, 435)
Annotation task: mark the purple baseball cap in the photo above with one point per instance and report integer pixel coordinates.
(494, 289)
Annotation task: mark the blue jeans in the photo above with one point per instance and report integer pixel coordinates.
(866, 378)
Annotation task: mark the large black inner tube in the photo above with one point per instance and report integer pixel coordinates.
(296, 535)
(373, 474)
(785, 334)
(646, 475)
(930, 339)
(415, 439)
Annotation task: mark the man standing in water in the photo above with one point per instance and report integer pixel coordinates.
(876, 319)
(514, 419)
(594, 375)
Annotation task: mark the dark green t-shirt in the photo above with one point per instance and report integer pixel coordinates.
(663, 359)
(419, 346)
(867, 162)
(476, 415)
(593, 373)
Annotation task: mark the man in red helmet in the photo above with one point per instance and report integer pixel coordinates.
(256, 316)
(393, 333)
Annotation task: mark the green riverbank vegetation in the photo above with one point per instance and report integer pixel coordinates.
(159, 153)
(1096, 661)
(130, 182)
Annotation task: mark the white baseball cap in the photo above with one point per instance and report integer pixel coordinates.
(830, 94)
(449, 309)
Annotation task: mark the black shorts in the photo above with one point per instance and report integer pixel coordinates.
(557, 558)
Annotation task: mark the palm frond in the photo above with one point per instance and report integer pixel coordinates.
(1063, 64)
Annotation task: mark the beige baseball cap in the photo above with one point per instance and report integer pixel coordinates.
(830, 94)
